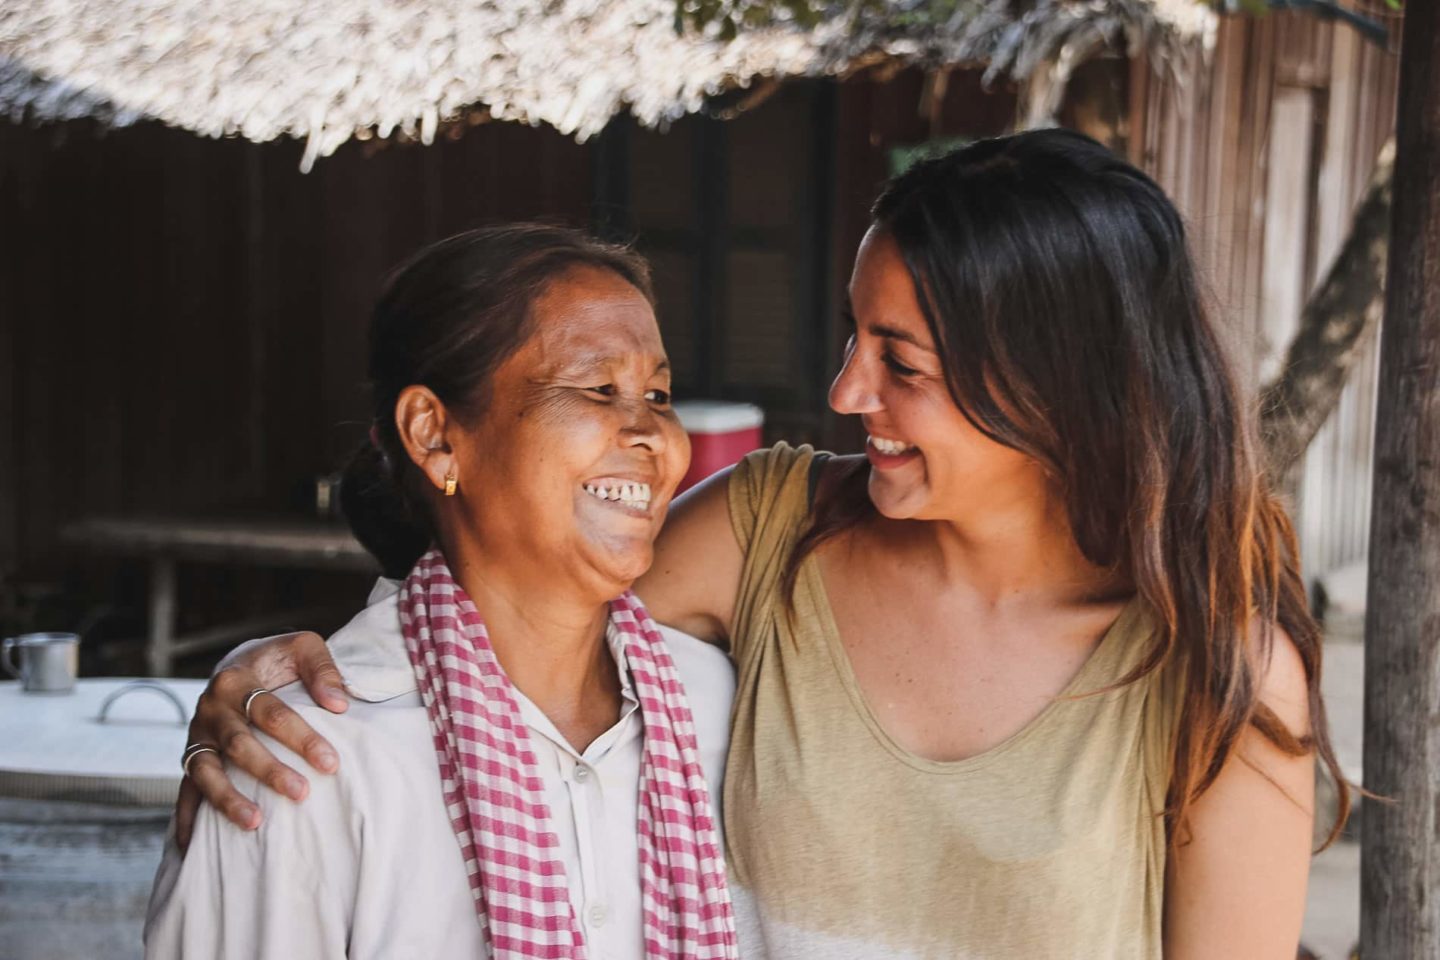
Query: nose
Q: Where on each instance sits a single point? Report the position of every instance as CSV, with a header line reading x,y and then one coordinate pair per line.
x,y
643,427
854,390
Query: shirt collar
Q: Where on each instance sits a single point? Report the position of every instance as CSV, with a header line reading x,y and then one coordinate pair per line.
x,y
370,652
621,732
370,649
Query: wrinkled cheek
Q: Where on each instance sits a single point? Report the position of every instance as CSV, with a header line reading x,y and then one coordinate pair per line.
x,y
677,458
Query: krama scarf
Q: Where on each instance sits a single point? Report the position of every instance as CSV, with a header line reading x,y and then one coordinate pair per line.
x,y
494,793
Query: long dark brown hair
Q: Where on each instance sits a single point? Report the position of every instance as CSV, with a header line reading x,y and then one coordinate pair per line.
x,y
1057,283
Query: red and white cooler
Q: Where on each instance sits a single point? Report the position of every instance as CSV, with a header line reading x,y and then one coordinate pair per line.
x,y
721,433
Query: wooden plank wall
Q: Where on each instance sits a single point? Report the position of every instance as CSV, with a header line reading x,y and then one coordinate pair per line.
x,y
1335,495
1266,150
182,320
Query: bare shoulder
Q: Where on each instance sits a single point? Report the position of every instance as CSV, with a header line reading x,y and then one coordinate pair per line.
x,y
833,468
1236,883
1285,682
703,506
838,465
692,582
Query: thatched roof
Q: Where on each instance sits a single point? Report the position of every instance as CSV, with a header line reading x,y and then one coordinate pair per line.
x,y
327,70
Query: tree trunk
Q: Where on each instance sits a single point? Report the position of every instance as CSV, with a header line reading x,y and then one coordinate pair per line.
x,y
1334,325
1400,860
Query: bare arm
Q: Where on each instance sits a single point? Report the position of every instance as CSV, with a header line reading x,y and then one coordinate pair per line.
x,y
691,585
1237,889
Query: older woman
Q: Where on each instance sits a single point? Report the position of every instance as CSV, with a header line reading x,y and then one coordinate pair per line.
x,y
1034,679
527,764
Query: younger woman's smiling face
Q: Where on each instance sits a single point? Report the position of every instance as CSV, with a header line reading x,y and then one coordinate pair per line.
x,y
927,461
576,452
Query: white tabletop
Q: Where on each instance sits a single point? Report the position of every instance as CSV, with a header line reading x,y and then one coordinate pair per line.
x,y
54,745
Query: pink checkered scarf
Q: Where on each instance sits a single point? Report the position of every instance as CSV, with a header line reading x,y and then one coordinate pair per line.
x,y
494,794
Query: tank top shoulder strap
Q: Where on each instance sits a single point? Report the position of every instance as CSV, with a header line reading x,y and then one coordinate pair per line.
x,y
770,493
1160,694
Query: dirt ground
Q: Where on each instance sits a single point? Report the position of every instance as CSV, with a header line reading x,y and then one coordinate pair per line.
x,y
1332,912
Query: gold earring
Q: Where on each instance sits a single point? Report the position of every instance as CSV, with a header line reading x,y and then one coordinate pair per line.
x,y
450,483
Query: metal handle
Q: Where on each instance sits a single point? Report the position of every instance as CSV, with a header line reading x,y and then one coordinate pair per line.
x,y
145,684
5,658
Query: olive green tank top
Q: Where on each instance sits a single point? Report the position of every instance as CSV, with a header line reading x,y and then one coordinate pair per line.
x,y
842,844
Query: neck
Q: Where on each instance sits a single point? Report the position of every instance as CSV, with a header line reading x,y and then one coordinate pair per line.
x,y
549,638
1019,547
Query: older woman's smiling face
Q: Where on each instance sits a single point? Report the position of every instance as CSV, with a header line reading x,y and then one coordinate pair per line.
x,y
577,452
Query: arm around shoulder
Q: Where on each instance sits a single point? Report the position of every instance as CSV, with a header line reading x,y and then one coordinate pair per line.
x,y
692,583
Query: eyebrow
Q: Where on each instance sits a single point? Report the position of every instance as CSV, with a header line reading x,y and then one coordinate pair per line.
x,y
895,333
595,362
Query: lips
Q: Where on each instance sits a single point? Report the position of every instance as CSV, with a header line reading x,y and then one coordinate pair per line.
x,y
887,453
889,447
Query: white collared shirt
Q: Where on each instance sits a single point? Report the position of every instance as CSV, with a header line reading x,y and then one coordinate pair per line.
x,y
369,866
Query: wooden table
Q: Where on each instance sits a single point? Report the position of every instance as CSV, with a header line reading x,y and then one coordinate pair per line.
x,y
165,542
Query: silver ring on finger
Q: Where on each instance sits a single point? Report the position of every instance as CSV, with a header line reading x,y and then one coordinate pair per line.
x,y
194,750
249,699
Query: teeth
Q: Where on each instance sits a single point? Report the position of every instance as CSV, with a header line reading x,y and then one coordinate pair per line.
x,y
888,446
631,494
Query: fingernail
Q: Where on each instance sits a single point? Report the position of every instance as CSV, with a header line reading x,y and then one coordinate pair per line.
x,y
335,693
294,788
251,816
326,761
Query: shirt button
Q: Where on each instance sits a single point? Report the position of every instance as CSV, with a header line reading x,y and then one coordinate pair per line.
x,y
597,915
582,773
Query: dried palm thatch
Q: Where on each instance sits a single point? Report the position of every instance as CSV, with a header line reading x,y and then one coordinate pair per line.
x,y
327,70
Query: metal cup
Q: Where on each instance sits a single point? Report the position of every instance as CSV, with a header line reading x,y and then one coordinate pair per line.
x,y
49,662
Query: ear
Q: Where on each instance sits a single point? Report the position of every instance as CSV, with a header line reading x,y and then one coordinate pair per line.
x,y
421,420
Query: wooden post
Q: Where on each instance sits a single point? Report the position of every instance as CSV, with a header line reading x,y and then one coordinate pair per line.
x,y
1400,862
160,646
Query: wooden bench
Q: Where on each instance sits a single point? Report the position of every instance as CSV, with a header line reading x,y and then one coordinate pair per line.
x,y
165,542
